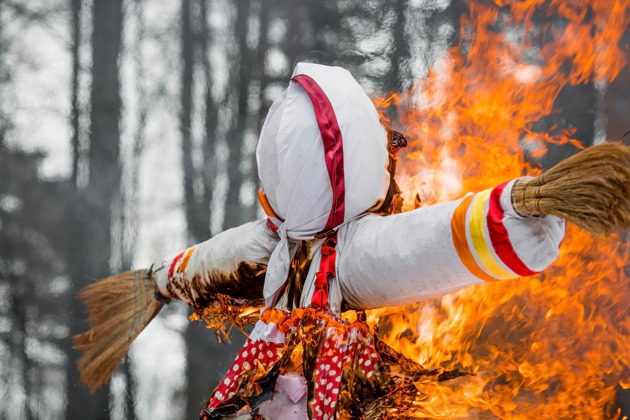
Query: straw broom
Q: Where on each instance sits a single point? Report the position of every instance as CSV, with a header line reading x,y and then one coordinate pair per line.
x,y
119,307
590,189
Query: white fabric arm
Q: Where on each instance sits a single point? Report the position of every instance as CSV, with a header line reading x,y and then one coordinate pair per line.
x,y
432,251
232,262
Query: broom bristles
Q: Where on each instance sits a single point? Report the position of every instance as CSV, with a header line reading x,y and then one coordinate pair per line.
x,y
119,308
590,189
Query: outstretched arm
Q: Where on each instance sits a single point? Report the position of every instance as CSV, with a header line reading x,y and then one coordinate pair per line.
x,y
231,263
509,231
223,275
431,251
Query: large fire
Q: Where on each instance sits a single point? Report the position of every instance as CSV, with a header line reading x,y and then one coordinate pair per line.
x,y
558,345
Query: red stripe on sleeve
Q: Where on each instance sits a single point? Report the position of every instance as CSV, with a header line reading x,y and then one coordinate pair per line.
x,y
172,268
499,234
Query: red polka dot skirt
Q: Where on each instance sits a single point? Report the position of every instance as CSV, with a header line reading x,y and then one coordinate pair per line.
x,y
334,370
254,356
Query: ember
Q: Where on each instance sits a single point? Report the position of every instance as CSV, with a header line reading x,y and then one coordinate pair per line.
x,y
555,346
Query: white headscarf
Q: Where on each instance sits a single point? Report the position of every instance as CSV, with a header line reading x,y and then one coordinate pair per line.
x,y
293,169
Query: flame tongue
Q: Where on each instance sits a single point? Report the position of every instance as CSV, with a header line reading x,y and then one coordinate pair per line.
x,y
555,346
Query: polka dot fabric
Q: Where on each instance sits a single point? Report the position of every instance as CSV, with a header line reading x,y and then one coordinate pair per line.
x,y
337,357
368,360
342,354
335,353
252,354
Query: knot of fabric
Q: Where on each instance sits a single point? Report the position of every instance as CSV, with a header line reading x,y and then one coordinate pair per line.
x,y
328,248
327,263
326,272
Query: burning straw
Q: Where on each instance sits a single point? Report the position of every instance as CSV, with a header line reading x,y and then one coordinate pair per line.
x,y
119,308
590,189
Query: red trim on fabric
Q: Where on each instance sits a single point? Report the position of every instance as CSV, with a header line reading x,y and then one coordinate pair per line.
x,y
327,375
326,272
333,146
172,268
253,352
272,226
320,295
499,234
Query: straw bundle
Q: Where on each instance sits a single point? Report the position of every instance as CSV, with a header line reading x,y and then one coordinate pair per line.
x,y
119,308
590,189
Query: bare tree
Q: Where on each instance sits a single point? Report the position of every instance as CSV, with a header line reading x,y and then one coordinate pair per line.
x,y
398,78
241,77
22,294
75,7
206,357
93,218
198,226
210,122
261,81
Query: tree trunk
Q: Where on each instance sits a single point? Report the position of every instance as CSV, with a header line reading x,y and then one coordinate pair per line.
x,y
207,359
75,113
93,221
234,214
293,46
211,119
398,78
259,66
260,77
129,211
19,307
130,385
197,226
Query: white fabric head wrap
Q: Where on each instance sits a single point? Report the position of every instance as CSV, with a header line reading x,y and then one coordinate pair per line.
x,y
293,169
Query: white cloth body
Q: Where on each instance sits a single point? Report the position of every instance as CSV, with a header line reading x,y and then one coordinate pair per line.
x,y
385,261
292,166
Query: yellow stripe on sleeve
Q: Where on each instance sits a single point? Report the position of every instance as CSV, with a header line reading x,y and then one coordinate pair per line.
x,y
458,232
476,224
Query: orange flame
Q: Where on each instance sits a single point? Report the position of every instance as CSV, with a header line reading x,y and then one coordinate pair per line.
x,y
553,346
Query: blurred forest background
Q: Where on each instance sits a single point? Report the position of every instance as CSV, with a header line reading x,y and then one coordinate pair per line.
x,y
127,132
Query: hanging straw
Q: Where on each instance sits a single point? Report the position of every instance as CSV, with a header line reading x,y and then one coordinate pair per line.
x,y
590,189
119,308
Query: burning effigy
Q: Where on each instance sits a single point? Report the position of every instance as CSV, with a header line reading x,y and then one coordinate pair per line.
x,y
336,244
555,344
